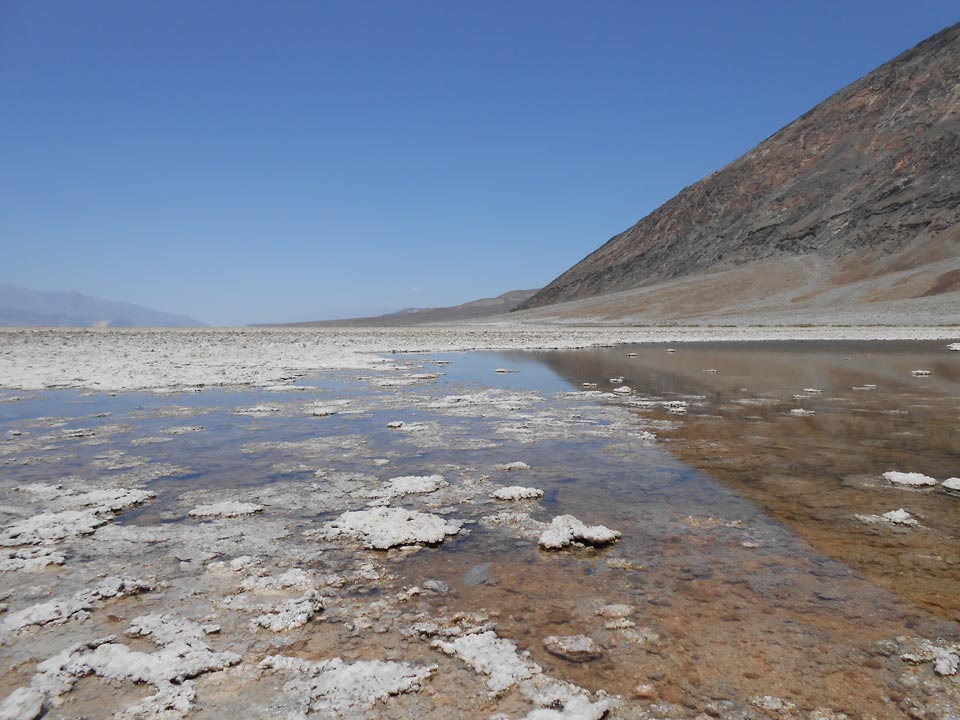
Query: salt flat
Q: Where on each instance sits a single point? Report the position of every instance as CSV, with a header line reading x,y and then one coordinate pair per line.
x,y
424,536
115,359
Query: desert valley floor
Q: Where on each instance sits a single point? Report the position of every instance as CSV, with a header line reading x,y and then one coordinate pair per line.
x,y
480,522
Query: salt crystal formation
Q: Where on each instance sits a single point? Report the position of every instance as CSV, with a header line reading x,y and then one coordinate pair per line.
x,y
565,530
575,648
516,492
334,688
225,509
383,527
909,479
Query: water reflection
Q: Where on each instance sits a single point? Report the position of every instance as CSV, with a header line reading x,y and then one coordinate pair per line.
x,y
815,472
761,583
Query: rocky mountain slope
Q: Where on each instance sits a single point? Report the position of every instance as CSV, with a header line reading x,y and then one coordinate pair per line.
x,y
487,307
863,187
23,307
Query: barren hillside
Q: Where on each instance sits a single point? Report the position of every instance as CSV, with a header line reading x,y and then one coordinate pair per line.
x,y
861,192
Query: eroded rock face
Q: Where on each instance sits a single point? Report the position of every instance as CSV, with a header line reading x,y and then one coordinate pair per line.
x,y
872,169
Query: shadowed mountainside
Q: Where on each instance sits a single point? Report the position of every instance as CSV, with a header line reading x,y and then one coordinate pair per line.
x,y
862,189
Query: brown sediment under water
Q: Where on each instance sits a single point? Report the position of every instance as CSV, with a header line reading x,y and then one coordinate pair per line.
x,y
742,570
816,472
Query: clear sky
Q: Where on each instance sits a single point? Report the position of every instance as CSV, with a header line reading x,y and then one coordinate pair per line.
x,y
267,161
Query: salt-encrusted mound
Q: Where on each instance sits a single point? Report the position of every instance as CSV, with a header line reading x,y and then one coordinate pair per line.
x,y
52,527
291,613
517,492
227,508
384,527
510,467
415,484
575,648
86,511
951,484
182,655
909,479
895,517
564,530
492,656
78,605
334,688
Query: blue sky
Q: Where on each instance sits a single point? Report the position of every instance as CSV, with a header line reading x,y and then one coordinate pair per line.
x,y
246,162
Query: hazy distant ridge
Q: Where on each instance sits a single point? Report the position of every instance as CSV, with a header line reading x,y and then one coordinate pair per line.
x,y
483,308
23,307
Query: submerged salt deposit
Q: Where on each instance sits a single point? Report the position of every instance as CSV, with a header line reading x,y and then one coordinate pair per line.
x,y
352,549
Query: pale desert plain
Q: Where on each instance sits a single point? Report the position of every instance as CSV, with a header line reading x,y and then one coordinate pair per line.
x,y
488,521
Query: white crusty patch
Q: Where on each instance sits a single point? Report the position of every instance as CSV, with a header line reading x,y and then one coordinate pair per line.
x,y
383,527
86,512
516,492
513,466
894,517
182,655
411,485
565,530
946,660
295,578
559,700
291,613
909,479
30,559
333,688
60,610
493,656
24,703
228,508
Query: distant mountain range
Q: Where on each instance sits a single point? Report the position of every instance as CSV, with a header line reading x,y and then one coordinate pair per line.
x,y
856,204
23,307
421,316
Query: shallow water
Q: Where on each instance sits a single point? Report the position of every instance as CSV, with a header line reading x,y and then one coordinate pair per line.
x,y
815,472
748,573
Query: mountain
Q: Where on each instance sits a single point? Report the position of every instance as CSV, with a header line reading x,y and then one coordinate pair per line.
x,y
861,192
23,307
476,309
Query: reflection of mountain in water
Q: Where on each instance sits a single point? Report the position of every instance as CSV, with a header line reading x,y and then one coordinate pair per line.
x,y
768,367
814,473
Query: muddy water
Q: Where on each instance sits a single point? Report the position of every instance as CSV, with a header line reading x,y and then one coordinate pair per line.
x,y
746,571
